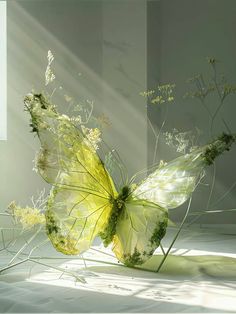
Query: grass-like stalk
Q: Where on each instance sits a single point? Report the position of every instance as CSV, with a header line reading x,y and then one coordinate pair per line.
x,y
24,246
13,265
157,136
225,194
71,273
176,236
162,249
99,251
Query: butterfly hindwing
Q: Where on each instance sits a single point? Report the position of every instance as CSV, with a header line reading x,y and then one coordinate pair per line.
x,y
74,219
171,185
139,230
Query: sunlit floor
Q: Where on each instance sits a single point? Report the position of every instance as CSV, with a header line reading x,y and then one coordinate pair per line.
x,y
199,276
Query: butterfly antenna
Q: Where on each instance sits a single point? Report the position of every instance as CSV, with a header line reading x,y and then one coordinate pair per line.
x,y
120,163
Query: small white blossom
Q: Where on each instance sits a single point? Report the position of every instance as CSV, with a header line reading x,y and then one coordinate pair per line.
x,y
49,75
92,136
50,57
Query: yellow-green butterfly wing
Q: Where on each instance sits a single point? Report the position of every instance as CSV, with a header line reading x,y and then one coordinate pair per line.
x,y
79,203
144,219
171,185
139,231
84,202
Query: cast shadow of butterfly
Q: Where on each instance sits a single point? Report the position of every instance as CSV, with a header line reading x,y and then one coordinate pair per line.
x,y
177,267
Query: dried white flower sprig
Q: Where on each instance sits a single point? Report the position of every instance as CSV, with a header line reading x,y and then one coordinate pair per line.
x,y
49,75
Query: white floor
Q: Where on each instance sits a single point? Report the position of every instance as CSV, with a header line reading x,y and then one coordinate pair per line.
x,y
199,276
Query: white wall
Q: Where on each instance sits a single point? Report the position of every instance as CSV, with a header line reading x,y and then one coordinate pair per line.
x,y
181,35
82,35
3,77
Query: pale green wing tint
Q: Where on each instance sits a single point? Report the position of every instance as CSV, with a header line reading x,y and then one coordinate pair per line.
x,y
139,230
74,218
79,204
171,185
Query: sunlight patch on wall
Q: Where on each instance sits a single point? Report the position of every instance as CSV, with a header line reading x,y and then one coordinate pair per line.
x,y
3,68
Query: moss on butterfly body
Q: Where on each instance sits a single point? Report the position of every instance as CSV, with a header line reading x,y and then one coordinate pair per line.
x,y
118,205
216,148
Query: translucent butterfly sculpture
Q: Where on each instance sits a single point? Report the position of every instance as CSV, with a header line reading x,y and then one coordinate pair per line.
x,y
84,202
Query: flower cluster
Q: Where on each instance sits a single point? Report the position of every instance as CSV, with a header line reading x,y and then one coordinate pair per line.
x,y
92,136
163,94
49,75
27,216
183,142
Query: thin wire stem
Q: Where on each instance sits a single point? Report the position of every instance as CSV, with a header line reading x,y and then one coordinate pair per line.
x,y
13,265
162,249
212,186
225,194
59,269
176,236
158,135
24,246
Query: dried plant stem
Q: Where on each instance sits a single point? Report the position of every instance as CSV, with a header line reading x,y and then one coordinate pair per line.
x,y
158,135
24,246
99,251
212,186
71,273
225,194
162,249
176,236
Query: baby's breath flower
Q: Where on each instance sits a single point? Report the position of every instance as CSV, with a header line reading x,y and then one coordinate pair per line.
x,y
162,163
92,136
163,94
27,216
147,93
76,120
65,117
49,75
158,100
50,57
181,141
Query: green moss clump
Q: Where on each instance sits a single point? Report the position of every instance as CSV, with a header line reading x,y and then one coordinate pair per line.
x,y
118,205
131,260
159,232
51,226
221,144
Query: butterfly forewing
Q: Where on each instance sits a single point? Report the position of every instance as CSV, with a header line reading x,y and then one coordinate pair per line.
x,y
80,202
